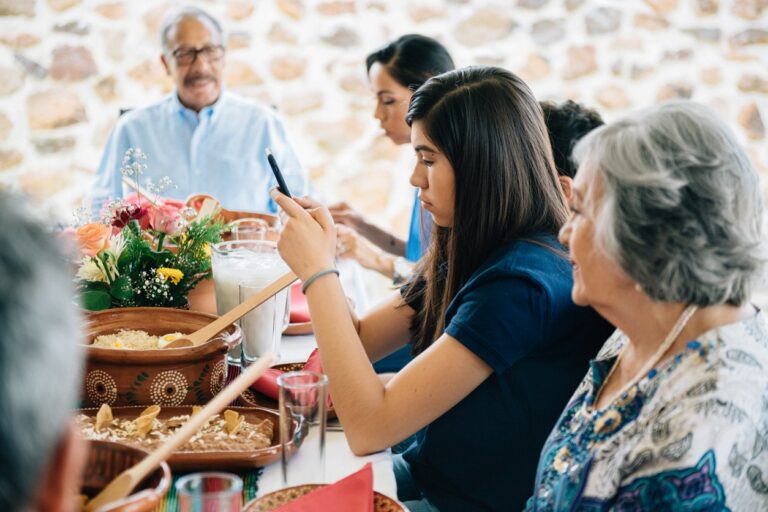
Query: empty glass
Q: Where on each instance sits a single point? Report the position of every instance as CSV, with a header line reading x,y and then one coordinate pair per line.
x,y
263,326
302,407
249,229
209,492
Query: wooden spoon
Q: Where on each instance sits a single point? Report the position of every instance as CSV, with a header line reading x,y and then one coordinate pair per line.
x,y
125,482
203,334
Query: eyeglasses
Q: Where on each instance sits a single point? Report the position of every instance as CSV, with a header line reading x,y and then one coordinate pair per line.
x,y
185,56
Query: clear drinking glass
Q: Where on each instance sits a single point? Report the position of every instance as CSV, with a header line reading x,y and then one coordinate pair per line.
x,y
237,261
249,229
263,326
302,407
204,492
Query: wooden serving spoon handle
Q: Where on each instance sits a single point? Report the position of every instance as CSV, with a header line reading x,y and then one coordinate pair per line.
x,y
203,334
126,481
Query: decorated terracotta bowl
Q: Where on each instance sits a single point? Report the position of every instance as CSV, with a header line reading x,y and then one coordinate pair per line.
x,y
196,201
106,460
166,377
277,499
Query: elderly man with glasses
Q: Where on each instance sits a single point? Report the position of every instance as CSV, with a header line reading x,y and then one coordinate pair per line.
x,y
204,138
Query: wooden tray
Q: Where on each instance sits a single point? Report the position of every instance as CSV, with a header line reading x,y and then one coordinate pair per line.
x,y
218,460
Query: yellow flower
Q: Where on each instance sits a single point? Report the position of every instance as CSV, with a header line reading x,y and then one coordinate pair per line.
x,y
173,274
207,250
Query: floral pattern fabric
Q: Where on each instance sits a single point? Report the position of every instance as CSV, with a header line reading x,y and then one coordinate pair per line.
x,y
691,435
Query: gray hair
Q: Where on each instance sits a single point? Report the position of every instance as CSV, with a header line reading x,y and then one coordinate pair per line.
x,y
175,17
40,357
681,210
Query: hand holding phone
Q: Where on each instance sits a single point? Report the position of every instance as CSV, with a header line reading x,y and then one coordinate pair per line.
x,y
278,175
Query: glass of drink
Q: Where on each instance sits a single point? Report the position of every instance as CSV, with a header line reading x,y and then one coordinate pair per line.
x,y
201,492
242,261
263,326
249,229
302,405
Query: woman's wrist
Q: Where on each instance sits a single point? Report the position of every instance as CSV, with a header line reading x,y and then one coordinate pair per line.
x,y
385,264
317,275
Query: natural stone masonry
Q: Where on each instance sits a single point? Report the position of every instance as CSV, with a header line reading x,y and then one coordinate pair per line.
x,y
54,109
67,67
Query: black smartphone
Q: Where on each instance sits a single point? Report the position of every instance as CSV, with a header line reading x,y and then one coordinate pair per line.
x,y
278,175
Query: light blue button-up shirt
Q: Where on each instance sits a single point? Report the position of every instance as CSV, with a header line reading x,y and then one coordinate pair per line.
x,y
219,152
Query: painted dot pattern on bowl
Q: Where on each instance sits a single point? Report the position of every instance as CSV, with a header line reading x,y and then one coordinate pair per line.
x,y
100,387
218,375
169,388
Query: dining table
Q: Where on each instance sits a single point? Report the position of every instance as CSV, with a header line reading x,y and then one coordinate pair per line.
x,y
339,459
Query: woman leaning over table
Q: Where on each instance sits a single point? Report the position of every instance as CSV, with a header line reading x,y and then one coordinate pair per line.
x,y
500,345
395,71
665,240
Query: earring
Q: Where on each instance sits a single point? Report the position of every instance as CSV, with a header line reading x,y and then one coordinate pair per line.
x,y
638,287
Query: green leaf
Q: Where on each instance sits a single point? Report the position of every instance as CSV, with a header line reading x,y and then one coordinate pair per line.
x,y
95,300
121,288
94,286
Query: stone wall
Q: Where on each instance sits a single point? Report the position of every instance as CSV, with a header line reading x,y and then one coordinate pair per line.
x,y
68,66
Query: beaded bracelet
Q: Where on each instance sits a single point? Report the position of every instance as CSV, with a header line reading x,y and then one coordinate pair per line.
x,y
316,276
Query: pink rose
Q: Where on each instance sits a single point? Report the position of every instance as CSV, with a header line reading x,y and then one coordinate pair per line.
x,y
165,218
93,238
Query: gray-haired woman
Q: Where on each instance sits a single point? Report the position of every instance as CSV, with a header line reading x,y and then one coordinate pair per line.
x,y
665,241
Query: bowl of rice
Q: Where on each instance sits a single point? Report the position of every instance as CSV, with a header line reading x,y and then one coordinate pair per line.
x,y
126,364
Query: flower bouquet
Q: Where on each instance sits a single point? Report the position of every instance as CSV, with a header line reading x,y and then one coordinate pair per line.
x,y
144,252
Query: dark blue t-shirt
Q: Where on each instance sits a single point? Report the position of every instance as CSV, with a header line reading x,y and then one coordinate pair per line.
x,y
516,314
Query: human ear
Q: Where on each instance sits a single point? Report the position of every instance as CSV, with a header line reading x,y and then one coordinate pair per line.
x,y
165,64
566,184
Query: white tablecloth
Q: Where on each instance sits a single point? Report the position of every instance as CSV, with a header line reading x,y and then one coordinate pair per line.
x,y
339,459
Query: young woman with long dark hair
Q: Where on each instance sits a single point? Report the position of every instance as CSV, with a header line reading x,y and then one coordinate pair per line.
x,y
499,344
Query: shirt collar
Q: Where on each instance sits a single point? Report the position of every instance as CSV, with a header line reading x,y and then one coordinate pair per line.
x,y
211,111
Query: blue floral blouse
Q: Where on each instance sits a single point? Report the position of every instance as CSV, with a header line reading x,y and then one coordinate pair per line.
x,y
691,435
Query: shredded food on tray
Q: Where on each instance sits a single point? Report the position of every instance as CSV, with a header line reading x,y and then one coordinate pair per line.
x,y
230,431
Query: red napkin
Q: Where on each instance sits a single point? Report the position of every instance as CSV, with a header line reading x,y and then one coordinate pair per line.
x,y
351,494
267,383
299,306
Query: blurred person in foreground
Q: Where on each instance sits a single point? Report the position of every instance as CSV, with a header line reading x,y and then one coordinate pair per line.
x,y
567,123
41,453
204,138
665,237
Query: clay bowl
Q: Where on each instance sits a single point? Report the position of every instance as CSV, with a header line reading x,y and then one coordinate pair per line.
x,y
106,460
277,499
196,201
166,377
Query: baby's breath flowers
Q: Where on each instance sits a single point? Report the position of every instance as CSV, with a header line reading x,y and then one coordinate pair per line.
x,y
144,251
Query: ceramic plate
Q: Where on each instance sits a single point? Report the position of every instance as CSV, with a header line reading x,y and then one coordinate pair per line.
x,y
279,498
298,329
220,460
